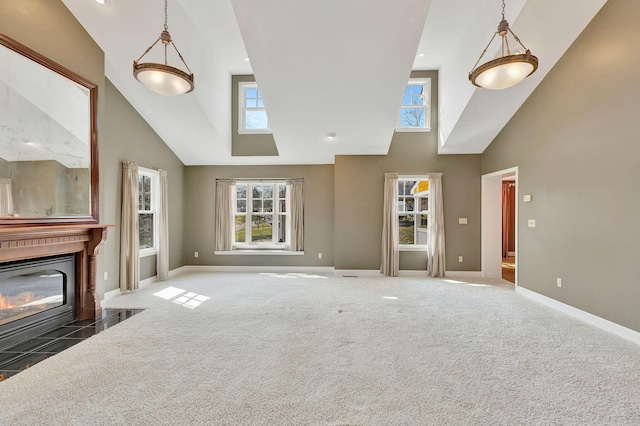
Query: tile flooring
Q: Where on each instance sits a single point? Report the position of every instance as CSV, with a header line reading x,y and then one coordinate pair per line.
x,y
17,358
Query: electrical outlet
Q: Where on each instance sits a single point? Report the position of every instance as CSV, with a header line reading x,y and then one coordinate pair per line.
x,y
319,255
559,282
460,259
195,254
531,223
106,275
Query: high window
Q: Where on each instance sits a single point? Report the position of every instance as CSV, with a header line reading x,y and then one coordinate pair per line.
x,y
260,216
414,111
412,210
148,187
252,117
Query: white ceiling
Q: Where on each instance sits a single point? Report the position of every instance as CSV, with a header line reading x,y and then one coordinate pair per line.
x,y
330,66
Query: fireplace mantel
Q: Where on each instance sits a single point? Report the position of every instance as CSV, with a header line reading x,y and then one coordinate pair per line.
x,y
31,242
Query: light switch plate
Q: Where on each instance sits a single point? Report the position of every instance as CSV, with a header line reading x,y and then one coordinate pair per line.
x,y
462,220
527,198
531,223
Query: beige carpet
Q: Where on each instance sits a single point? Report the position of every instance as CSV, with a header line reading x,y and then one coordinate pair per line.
x,y
281,349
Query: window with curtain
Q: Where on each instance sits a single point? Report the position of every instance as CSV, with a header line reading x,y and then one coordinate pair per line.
x,y
263,214
412,212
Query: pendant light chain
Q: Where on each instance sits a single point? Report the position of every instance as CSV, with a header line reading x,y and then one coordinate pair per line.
x,y
166,27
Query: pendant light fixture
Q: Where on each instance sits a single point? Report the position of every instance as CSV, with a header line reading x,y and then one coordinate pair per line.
x,y
163,78
507,70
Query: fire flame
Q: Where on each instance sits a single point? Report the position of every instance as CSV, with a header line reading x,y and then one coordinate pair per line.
x,y
5,303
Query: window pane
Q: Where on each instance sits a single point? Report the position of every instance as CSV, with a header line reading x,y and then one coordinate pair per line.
x,y
422,234
417,89
257,191
424,204
267,191
241,191
409,204
282,226
282,203
260,104
240,231
401,204
406,229
412,117
241,206
282,191
268,206
408,186
145,230
256,120
250,92
251,103
257,206
407,90
400,188
261,228
417,100
406,100
147,201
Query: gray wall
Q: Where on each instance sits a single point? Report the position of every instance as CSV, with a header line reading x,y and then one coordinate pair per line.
x,y
199,216
126,136
359,197
49,28
252,144
577,144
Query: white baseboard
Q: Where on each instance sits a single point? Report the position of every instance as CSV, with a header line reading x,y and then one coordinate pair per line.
x,y
594,320
357,272
214,268
463,274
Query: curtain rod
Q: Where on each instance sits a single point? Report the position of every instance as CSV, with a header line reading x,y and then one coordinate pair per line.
x,y
259,180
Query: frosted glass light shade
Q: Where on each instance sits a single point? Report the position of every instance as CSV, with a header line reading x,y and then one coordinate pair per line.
x,y
163,79
505,71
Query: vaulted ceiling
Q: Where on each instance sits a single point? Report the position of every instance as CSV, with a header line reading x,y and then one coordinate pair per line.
x,y
330,66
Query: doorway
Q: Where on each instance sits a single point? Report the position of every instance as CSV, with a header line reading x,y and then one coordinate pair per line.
x,y
492,225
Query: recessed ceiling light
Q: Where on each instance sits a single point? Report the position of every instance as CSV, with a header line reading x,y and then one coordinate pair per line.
x,y
331,136
420,55
29,143
246,59
102,2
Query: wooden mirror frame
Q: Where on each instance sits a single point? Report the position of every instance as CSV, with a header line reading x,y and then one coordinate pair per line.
x,y
93,217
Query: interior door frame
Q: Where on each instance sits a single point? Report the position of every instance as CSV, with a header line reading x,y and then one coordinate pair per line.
x,y
491,223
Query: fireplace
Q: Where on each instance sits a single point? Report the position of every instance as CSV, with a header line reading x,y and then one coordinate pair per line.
x,y
36,295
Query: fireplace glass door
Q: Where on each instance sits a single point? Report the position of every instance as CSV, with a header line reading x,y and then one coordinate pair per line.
x,y
36,296
31,293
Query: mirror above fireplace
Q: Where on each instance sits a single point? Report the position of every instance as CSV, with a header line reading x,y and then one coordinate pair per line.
x,y
48,153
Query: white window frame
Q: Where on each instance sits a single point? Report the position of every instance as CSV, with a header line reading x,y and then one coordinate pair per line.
x,y
248,244
416,213
155,199
242,90
426,83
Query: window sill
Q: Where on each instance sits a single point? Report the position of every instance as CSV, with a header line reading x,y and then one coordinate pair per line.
x,y
413,248
259,252
148,252
413,129
255,132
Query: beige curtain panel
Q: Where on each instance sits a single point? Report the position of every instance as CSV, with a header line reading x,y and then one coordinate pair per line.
x,y
295,211
129,237
390,252
435,249
162,257
225,214
6,199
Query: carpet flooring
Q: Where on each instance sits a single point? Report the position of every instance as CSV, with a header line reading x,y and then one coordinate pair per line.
x,y
302,349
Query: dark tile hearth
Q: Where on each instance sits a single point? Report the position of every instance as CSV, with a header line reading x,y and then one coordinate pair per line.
x,y
19,357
